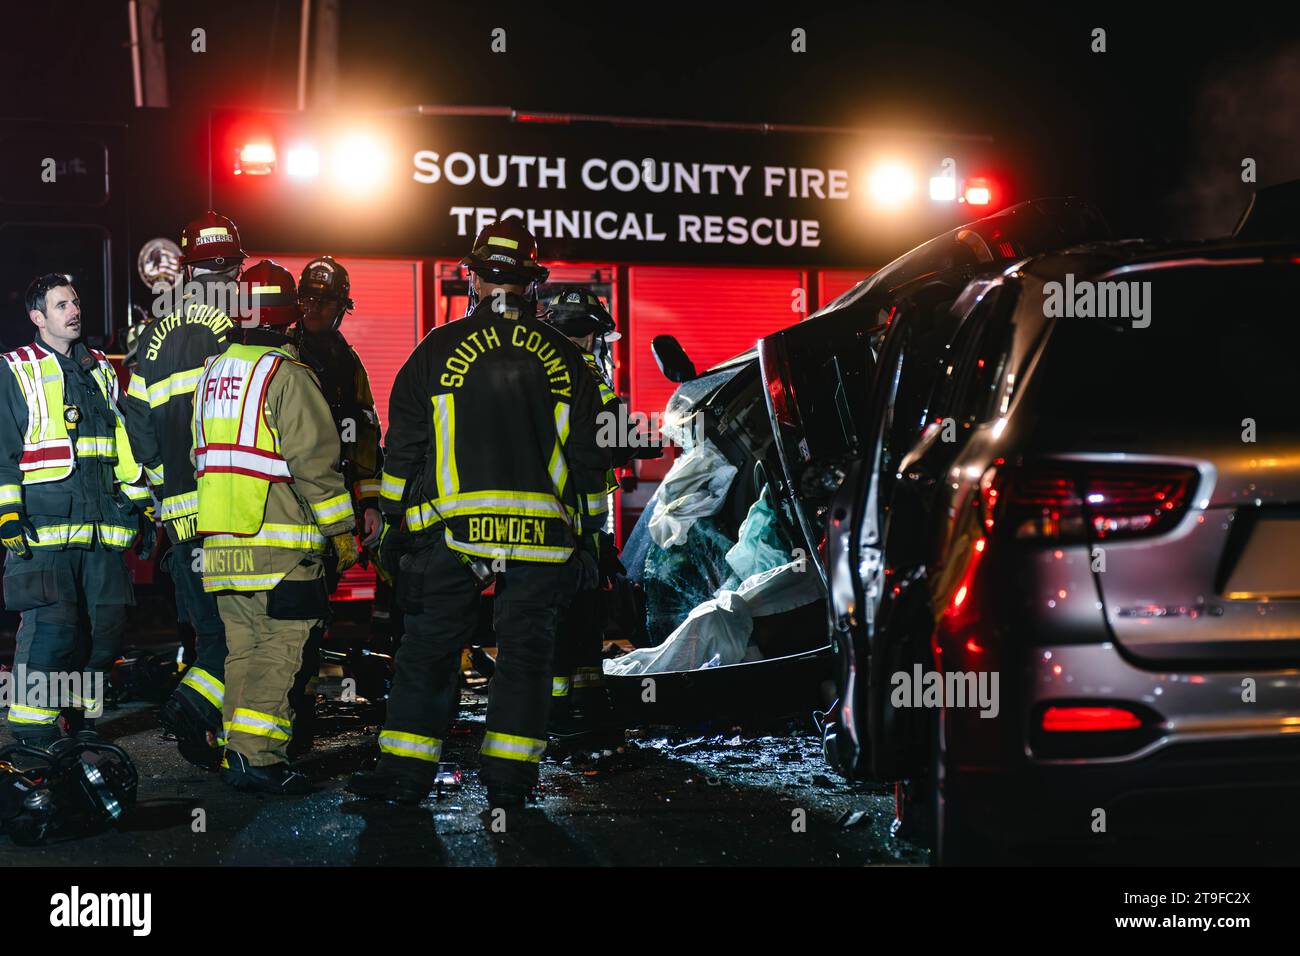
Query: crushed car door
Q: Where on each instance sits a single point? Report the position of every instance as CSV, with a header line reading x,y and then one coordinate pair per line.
x,y
816,380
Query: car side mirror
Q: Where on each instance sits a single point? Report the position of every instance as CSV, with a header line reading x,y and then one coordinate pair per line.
x,y
672,359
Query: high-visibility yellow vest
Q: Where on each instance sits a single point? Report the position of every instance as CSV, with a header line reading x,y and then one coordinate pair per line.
x,y
48,453
236,451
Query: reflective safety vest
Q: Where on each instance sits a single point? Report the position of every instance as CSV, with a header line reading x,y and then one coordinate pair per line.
x,y
48,453
236,452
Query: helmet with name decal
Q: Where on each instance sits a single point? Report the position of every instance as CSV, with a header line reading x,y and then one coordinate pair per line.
x,y
577,311
505,253
272,293
325,278
211,236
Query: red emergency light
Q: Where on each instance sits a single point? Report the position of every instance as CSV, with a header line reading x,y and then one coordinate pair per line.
x,y
255,159
977,191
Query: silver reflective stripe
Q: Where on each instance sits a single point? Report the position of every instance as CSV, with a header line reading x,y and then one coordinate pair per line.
x,y
559,468
511,747
251,420
179,504
392,488
444,421
410,745
260,725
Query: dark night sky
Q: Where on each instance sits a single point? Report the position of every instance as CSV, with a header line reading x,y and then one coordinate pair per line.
x,y
1154,129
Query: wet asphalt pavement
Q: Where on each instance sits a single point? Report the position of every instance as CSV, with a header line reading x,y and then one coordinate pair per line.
x,y
713,801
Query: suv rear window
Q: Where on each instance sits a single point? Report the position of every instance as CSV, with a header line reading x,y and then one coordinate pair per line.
x,y
1223,345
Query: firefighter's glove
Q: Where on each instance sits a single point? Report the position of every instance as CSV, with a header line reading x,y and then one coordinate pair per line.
x,y
388,551
15,531
148,535
588,562
345,546
610,566
373,525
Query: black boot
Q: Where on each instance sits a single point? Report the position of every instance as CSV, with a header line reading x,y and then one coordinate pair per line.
x,y
196,738
279,778
87,733
41,738
508,796
391,780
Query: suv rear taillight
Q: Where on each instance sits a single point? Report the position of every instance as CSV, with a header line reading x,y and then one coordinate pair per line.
x,y
1081,729
1089,719
1064,502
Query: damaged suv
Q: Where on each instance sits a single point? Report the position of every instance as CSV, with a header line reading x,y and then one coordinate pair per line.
x,y
1091,521
731,549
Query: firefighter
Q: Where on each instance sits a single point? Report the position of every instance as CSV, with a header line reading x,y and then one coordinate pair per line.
x,y
323,300
490,458
271,502
324,289
579,707
159,408
70,505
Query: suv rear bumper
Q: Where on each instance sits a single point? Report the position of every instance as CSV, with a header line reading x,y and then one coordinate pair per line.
x,y
1215,764
1195,706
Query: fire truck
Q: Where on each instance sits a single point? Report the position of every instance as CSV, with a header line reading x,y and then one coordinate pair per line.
x,y
716,234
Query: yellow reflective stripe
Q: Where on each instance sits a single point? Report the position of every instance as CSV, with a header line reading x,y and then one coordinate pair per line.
x,y
527,505
241,582
529,552
368,488
559,687
502,241
62,535
511,747
21,714
558,467
178,383
597,504
259,724
391,487
95,447
182,504
402,744
116,535
290,542
135,388
155,475
332,509
136,492
11,494
204,684
271,534
444,424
